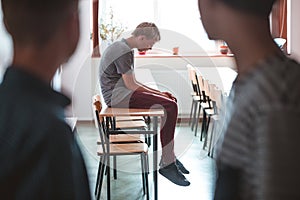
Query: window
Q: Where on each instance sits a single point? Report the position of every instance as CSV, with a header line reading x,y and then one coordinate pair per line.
x,y
6,48
279,21
174,16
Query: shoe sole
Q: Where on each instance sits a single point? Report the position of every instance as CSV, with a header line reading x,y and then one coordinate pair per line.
x,y
184,184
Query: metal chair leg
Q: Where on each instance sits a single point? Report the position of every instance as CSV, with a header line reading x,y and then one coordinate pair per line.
x,y
97,179
206,132
108,178
191,113
197,119
203,124
194,115
102,166
115,166
143,174
212,135
146,166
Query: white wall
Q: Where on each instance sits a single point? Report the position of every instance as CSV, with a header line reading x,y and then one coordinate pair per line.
x,y
76,74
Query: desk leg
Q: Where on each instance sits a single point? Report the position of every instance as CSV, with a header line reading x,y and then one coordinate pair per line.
x,y
155,128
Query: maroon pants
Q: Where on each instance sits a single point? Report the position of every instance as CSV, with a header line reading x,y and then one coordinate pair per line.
x,y
148,100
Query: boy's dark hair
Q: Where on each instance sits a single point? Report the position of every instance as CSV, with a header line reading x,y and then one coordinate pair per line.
x,y
34,21
257,7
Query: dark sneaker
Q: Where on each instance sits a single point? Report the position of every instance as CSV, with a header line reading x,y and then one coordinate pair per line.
x,y
181,167
172,173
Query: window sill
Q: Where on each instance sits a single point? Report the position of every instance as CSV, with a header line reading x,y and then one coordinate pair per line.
x,y
191,55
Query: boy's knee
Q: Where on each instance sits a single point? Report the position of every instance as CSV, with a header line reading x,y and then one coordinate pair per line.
x,y
172,105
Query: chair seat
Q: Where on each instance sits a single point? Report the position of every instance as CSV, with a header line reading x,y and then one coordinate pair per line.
x,y
210,112
196,98
130,124
129,118
205,105
125,138
216,117
193,93
124,149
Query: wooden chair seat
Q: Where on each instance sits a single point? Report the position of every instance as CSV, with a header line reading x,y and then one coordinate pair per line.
x,y
210,111
125,149
205,105
129,118
216,117
196,98
125,138
130,124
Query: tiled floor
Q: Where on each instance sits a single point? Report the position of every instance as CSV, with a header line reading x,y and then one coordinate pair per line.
x,y
128,186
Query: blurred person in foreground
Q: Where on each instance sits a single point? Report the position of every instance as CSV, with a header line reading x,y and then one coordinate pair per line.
x,y
40,158
258,155
121,89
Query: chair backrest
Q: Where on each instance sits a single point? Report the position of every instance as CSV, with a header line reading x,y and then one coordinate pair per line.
x,y
217,97
198,85
96,99
201,82
97,106
205,90
207,87
193,79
